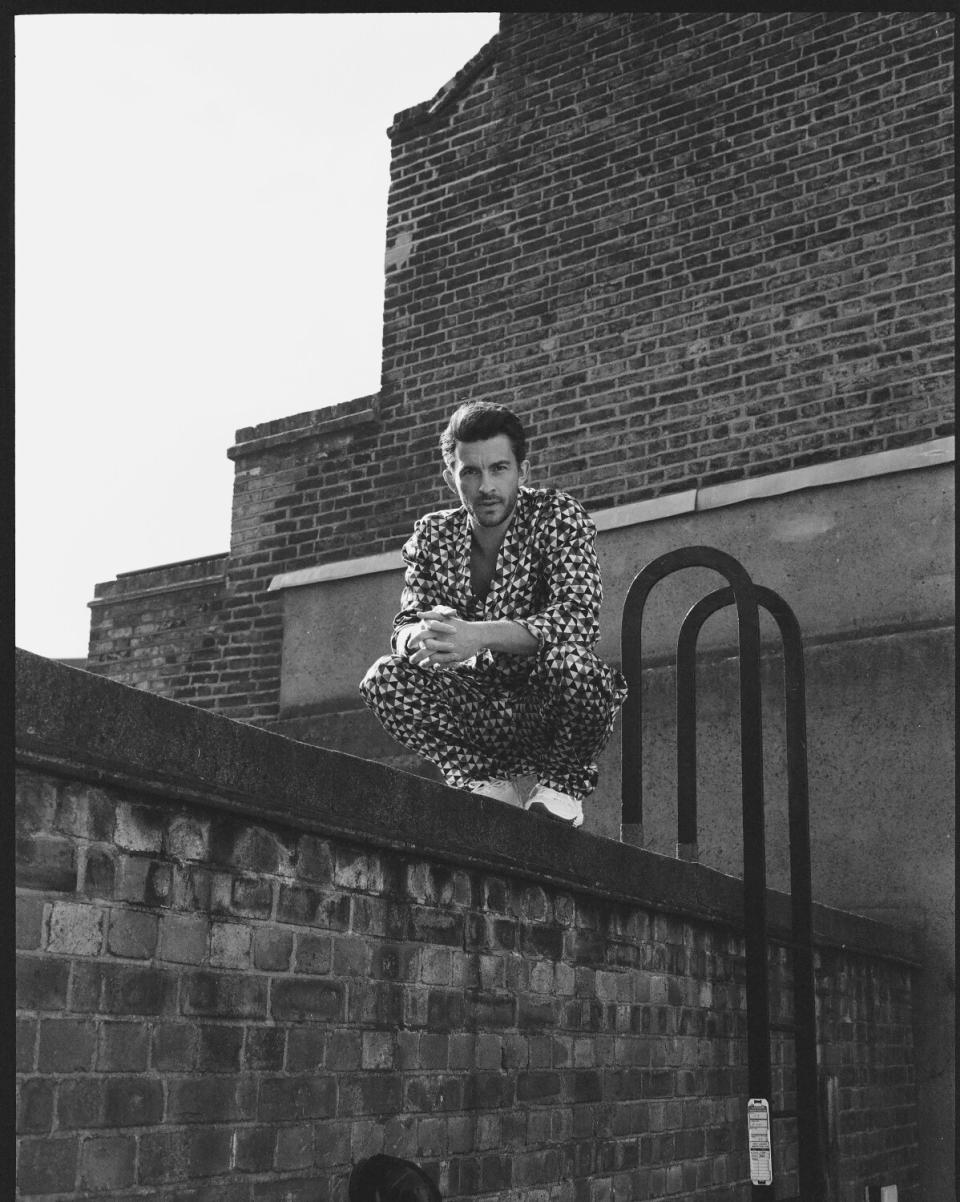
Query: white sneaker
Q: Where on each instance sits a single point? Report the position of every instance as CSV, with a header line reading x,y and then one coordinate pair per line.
x,y
501,790
555,804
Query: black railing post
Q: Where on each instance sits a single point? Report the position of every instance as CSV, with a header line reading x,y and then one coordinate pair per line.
x,y
747,597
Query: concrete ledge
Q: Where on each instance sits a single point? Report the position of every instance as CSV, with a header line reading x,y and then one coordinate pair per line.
x,y
342,569
695,500
76,724
903,459
361,413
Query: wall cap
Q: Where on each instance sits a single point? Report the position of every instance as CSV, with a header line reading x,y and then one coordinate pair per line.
x,y
695,500
358,414
78,725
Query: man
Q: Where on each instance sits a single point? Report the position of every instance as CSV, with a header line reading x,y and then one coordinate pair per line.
x,y
493,673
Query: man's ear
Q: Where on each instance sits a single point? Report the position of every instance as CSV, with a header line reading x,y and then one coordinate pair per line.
x,y
450,479
524,471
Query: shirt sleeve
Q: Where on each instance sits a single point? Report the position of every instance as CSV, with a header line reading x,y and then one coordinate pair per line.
x,y
570,579
424,580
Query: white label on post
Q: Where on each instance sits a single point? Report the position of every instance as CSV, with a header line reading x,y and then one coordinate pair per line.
x,y
758,1138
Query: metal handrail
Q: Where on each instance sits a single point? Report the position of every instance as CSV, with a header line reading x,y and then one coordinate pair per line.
x,y
798,809
747,597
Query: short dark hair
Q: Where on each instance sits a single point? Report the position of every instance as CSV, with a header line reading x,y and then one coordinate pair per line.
x,y
477,420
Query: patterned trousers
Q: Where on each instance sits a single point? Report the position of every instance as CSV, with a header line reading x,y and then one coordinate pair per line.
x,y
473,725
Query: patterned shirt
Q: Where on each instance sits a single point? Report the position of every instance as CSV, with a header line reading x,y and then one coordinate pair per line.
x,y
546,577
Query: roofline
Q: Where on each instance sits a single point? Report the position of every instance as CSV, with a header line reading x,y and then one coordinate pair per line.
x,y
420,117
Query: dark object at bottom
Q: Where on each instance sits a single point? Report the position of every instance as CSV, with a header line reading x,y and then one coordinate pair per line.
x,y
388,1179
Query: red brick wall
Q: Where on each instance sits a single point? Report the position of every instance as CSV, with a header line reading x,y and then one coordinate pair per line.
x,y
208,1003
686,247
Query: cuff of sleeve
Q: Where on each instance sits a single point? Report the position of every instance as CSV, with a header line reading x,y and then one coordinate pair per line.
x,y
540,630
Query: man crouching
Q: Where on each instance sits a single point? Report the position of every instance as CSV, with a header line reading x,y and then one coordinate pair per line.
x,y
493,673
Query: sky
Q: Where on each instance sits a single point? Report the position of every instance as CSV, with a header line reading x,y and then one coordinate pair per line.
x,y
200,213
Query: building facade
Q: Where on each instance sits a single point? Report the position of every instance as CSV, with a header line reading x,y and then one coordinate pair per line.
x,y
707,257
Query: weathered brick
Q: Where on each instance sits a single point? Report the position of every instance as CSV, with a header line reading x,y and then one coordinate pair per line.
x,y
174,1047
132,934
26,1044
219,1048
300,904
183,938
48,864
35,1106
255,1149
224,995
99,872
132,1101
272,949
314,954
47,1166
107,1162
36,803
311,1001
187,838
80,1102
305,1049
85,811
139,828
41,983
369,1093
264,1047
358,870
182,1155
230,945
314,859
295,1147
123,1047
286,1098
75,929
67,1045
251,848
196,1099
29,918
133,990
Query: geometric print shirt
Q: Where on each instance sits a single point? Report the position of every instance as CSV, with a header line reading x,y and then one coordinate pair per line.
x,y
546,577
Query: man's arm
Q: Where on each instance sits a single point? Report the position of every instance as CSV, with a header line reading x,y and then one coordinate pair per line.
x,y
443,639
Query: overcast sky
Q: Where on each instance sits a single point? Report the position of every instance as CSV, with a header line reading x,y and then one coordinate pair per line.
x,y
200,222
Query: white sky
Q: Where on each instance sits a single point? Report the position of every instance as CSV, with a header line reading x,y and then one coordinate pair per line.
x,y
200,230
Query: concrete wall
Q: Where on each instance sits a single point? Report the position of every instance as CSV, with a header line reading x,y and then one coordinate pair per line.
x,y
867,566
245,963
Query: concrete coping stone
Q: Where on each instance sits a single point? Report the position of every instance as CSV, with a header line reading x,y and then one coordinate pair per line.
x,y
695,500
78,725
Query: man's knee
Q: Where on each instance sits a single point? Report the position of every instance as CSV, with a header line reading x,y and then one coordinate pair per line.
x,y
379,676
578,675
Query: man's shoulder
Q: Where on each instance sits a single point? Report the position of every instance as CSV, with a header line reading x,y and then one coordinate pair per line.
x,y
552,507
439,520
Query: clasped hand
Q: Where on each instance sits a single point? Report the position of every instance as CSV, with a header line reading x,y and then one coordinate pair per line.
x,y
441,639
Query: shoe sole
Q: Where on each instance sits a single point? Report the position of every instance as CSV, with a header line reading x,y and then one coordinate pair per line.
x,y
540,808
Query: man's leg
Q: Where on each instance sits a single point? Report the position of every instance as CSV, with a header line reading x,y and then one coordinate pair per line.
x,y
444,716
567,716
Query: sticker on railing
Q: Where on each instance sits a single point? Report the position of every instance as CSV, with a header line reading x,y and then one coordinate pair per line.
x,y
758,1138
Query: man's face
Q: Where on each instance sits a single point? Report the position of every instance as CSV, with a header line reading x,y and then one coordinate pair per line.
x,y
486,477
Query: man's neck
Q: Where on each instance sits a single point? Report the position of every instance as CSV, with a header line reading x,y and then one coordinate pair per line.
x,y
490,538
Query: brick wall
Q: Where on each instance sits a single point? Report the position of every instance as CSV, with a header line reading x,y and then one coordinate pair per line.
x,y
245,963
686,247
160,629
